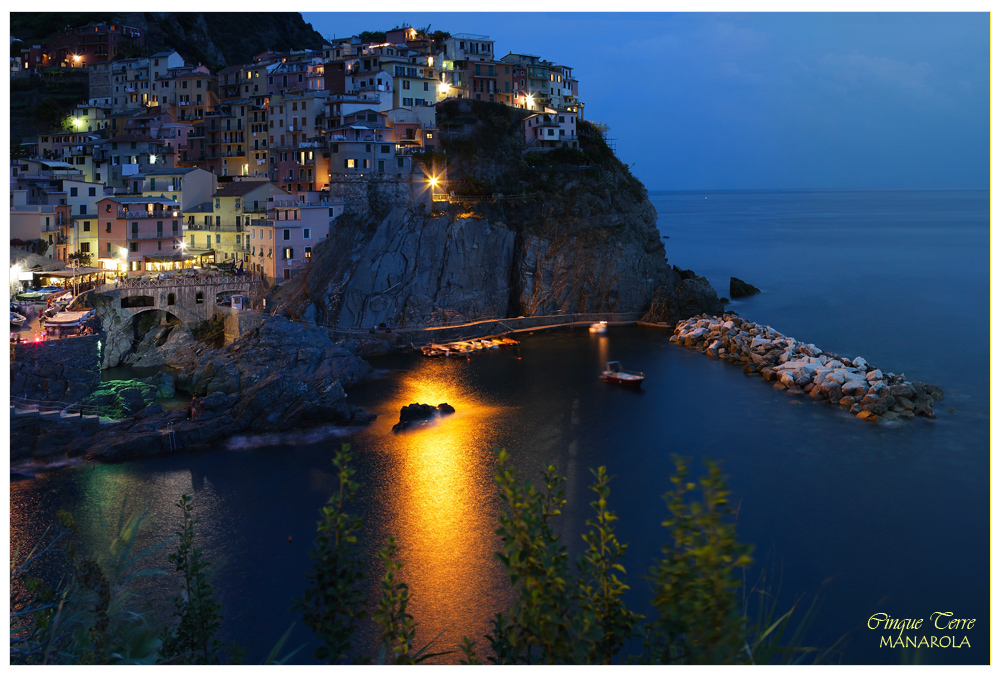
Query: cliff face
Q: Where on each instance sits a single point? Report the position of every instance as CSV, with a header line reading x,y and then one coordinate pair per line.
x,y
413,269
571,231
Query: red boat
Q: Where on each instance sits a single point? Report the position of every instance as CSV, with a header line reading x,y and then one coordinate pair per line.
x,y
615,374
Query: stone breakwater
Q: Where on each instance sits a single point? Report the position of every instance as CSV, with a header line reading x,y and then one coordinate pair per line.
x,y
804,369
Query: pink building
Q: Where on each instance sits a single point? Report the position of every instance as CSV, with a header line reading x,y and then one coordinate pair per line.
x,y
282,244
149,229
551,129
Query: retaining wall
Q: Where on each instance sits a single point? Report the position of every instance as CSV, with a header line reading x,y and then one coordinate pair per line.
x,y
61,370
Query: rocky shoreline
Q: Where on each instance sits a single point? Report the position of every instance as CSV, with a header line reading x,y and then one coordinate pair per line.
x,y
803,369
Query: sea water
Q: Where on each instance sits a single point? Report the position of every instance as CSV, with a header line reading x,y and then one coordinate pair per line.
x,y
864,518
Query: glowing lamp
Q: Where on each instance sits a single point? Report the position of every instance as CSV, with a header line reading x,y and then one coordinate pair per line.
x,y
433,181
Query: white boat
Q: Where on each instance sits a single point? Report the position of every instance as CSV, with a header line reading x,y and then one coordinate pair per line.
x,y
615,374
599,327
17,320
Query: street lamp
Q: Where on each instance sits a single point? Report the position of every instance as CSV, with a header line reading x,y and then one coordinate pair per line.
x,y
74,264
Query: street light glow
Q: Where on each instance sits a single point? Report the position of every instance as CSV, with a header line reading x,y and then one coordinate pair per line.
x,y
433,181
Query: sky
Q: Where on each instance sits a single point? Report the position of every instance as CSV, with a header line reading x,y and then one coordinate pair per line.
x,y
716,101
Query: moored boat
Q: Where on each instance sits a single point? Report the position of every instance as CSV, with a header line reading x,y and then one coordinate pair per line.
x,y
17,320
599,327
616,374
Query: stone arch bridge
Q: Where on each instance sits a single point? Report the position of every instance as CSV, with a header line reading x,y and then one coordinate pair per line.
x,y
190,300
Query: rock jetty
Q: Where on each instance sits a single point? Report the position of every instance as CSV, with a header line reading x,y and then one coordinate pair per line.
x,y
804,369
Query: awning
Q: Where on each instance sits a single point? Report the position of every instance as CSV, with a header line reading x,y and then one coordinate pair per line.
x,y
68,273
163,258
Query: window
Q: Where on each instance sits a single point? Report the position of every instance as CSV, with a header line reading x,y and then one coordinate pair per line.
x,y
286,234
109,244
208,242
384,148
133,246
73,192
159,245
92,191
86,226
83,209
406,83
173,227
305,233
171,299
309,252
218,239
288,253
407,102
85,247
199,297
425,87
350,163
108,229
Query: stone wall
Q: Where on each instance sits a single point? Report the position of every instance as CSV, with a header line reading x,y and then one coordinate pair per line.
x,y
238,322
373,195
63,370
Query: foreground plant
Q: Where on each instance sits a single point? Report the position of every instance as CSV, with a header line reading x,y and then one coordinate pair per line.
x,y
194,639
90,613
334,603
696,584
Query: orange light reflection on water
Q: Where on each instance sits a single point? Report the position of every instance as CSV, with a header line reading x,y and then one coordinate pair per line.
x,y
441,507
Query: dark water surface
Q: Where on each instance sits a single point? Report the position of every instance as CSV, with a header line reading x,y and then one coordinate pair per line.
x,y
887,518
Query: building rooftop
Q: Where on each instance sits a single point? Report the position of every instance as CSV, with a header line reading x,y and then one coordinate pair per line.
x,y
169,171
239,188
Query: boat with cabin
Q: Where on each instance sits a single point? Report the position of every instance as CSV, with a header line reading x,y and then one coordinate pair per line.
x,y
616,374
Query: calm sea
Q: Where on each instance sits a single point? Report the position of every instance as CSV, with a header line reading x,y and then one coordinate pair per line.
x,y
868,518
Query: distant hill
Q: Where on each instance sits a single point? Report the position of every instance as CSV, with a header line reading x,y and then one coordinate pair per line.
x,y
216,39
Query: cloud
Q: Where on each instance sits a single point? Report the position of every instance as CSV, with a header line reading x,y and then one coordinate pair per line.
x,y
881,71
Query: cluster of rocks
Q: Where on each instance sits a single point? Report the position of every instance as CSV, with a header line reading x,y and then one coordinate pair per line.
x,y
802,368
416,412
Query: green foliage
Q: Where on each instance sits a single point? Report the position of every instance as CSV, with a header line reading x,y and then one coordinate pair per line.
x,y
601,588
90,614
193,640
372,36
83,258
568,157
333,605
541,625
695,584
395,622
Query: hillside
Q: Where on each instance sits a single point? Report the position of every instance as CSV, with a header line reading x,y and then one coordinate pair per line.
x,y
216,39
571,232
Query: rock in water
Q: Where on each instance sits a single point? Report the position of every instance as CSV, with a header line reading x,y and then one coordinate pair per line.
x,y
738,288
414,413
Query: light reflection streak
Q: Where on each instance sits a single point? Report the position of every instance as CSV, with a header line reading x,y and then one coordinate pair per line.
x,y
441,508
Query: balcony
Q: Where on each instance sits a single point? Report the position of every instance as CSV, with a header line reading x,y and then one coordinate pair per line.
x,y
159,235
155,214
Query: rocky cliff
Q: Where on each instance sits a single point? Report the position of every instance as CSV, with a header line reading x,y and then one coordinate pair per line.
x,y
553,238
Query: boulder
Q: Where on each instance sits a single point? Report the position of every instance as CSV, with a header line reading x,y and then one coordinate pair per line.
x,y
446,408
414,413
738,288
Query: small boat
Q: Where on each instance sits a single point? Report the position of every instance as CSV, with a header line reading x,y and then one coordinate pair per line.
x,y
17,320
615,374
509,341
599,327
